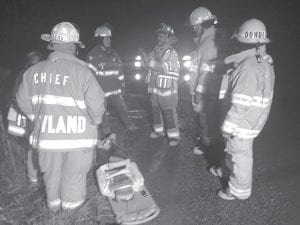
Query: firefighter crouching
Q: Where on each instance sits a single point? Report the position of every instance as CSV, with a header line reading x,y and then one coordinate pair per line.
x,y
163,78
31,58
108,70
247,93
206,71
65,102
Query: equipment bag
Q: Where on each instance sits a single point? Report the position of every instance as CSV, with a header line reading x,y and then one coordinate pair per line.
x,y
16,122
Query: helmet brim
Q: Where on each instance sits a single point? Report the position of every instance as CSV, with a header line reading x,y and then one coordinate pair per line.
x,y
213,17
48,38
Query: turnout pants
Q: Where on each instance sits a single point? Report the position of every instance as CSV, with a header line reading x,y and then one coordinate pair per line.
x,y
239,160
208,121
117,102
65,177
164,115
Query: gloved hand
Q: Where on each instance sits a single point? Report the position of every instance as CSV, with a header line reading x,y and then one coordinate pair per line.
x,y
198,102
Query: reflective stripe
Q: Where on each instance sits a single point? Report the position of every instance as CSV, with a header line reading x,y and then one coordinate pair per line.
x,y
31,117
194,68
229,127
92,67
241,99
33,179
57,100
108,73
239,193
71,205
158,128
199,88
15,130
168,77
207,68
119,91
66,144
222,94
162,93
54,203
173,73
121,77
245,133
173,134
260,102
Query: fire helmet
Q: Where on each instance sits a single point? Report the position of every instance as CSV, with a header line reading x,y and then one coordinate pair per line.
x,y
253,31
165,28
63,33
102,31
201,15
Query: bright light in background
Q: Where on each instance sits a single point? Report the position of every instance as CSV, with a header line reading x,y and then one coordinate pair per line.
x,y
137,63
186,57
187,77
187,64
137,76
138,58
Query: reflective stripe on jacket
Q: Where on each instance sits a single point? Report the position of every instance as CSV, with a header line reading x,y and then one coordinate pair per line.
x,y
207,65
66,103
107,68
247,93
164,72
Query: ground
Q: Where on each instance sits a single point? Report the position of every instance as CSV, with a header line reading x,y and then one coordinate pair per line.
x,y
179,181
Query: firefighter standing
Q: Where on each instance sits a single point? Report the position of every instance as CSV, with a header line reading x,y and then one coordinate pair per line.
x,y
109,73
163,85
31,58
65,102
247,92
206,76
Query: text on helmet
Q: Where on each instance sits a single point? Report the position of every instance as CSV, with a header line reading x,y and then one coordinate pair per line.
x,y
255,34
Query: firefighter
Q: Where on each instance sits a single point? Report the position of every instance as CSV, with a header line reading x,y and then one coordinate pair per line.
x,y
31,58
206,75
247,93
61,96
162,81
109,73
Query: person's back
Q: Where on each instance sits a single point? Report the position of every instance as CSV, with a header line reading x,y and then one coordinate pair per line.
x,y
66,104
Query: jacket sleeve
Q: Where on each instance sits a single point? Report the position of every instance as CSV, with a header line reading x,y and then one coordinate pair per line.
x,y
206,66
243,89
23,96
94,98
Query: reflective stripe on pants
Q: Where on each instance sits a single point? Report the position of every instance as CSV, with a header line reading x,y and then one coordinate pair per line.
x,y
65,176
164,114
239,159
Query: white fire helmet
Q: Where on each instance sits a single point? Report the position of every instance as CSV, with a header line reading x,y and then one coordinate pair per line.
x,y
102,31
63,33
253,31
201,15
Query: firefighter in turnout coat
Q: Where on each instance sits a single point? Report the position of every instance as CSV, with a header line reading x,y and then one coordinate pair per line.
x,y
163,85
247,93
206,71
108,70
65,102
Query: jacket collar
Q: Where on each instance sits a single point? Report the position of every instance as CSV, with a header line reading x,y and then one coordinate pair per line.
x,y
239,57
59,54
210,32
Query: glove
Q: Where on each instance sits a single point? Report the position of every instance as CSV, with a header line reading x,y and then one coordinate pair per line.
x,y
198,102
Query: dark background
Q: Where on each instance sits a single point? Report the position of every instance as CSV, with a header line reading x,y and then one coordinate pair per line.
x,y
135,21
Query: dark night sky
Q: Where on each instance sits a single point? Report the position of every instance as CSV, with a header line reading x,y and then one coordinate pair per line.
x,y
135,21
